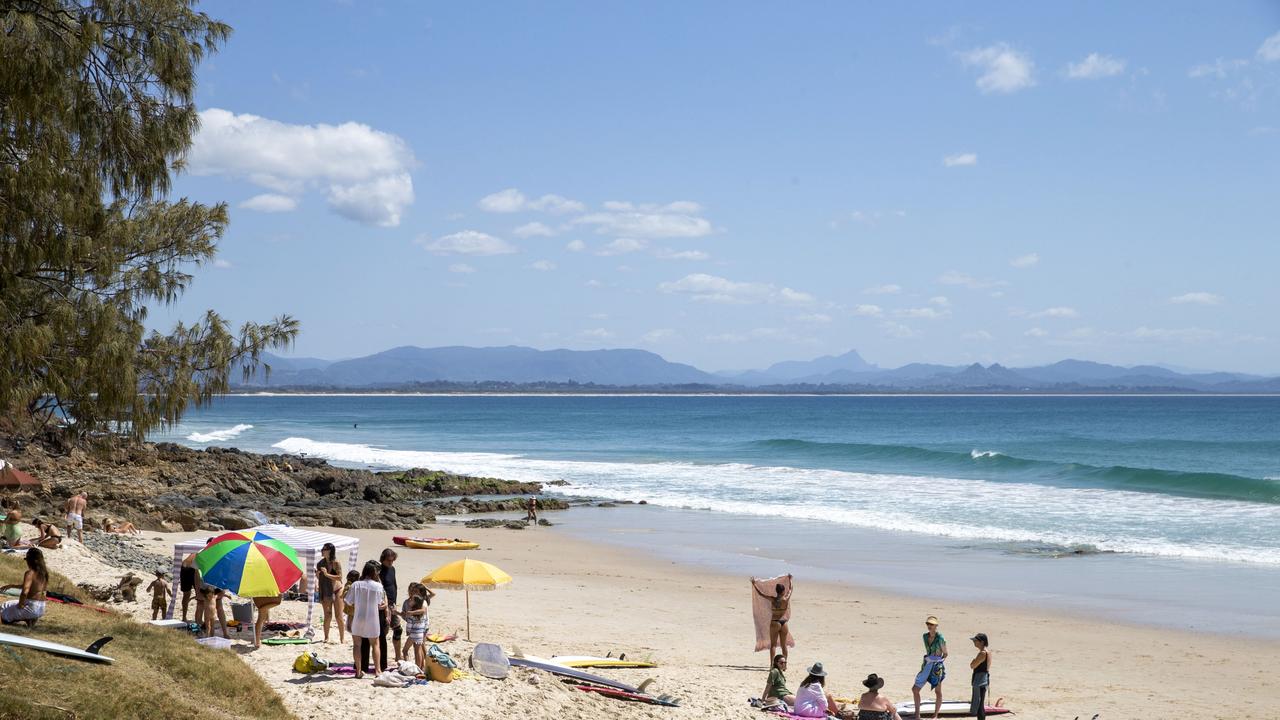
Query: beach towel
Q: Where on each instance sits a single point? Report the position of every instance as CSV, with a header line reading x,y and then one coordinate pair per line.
x,y
762,609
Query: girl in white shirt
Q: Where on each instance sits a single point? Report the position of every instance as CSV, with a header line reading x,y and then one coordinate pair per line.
x,y
367,599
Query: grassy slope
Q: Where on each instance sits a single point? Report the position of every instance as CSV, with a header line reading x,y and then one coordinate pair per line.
x,y
157,673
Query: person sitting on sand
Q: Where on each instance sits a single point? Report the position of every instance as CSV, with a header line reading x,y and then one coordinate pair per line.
x,y
812,699
775,687
264,605
873,705
50,536
933,669
981,666
779,605
160,592
29,607
11,525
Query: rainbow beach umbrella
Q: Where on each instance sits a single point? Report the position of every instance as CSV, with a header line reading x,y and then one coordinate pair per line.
x,y
249,564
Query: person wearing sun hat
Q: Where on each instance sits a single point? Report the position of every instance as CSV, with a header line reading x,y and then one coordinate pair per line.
x,y
981,666
873,705
933,669
812,699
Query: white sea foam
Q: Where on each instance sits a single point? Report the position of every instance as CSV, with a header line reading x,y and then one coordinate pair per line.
x,y
976,454
969,509
218,435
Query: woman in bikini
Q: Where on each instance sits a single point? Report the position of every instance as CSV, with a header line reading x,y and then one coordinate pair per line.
x,y
779,608
329,578
873,705
29,606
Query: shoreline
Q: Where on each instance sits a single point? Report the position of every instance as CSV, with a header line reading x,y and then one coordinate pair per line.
x,y
571,596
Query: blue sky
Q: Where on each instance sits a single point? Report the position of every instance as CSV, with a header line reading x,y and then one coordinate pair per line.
x,y
731,184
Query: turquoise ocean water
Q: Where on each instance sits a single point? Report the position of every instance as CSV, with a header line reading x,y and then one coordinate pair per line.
x,y
1190,485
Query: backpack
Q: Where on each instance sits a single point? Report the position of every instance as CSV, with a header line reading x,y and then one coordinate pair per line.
x,y
309,663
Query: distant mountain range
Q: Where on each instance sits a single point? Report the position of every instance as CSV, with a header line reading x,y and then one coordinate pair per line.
x,y
514,368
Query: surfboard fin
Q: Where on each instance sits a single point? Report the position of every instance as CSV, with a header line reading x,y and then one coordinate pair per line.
x,y
646,684
97,645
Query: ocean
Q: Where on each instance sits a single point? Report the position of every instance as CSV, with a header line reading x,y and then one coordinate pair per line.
x,y
1149,496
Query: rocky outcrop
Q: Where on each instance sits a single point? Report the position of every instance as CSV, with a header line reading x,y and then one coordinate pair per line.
x,y
171,487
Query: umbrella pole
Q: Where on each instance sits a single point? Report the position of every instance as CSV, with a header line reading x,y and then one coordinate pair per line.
x,y
468,594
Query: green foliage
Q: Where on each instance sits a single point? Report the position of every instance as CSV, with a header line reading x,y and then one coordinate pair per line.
x,y
96,111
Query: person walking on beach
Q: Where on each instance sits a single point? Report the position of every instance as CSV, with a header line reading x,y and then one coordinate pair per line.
x,y
780,613
29,607
329,578
74,508
369,611
531,511
981,666
873,705
933,669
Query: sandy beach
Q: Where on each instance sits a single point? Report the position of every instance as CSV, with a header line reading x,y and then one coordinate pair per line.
x,y
569,597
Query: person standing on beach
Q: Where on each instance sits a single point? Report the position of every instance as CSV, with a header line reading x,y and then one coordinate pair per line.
x,y
387,560
159,589
981,666
933,669
74,508
780,613
369,610
189,582
531,511
329,578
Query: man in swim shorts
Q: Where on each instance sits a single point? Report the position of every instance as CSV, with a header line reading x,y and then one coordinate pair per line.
x,y
932,669
75,514
188,582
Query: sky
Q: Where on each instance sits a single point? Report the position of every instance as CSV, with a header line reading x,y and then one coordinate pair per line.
x,y
731,184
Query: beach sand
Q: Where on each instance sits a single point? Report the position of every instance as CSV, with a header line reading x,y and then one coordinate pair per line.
x,y
570,597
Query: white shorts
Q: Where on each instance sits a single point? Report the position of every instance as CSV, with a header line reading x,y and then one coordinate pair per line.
x,y
76,520
11,613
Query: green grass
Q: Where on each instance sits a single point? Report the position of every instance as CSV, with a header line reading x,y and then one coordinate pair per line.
x,y
158,673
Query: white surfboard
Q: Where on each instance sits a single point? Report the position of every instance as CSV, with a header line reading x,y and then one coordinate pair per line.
x,y
595,661
23,641
175,624
950,708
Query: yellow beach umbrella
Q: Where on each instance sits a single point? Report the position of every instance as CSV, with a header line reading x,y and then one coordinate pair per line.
x,y
467,575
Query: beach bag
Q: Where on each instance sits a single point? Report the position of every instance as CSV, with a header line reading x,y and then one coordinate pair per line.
x,y
439,665
309,663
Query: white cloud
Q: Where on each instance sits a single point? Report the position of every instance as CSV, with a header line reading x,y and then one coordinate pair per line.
x,y
814,318
533,229
922,313
1219,68
461,268
940,301
659,335
543,265
593,283
363,172
468,242
597,334
222,264
512,200
1182,335
1270,49
1196,298
868,310
1056,312
1025,261
977,335
271,203
711,288
575,246
898,330
1036,332
954,277
622,246
669,254
1095,66
1004,70
889,289
673,220
960,160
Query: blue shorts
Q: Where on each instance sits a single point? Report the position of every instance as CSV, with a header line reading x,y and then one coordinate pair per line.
x,y
932,672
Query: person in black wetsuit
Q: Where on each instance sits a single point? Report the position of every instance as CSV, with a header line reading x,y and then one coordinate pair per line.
x,y
981,665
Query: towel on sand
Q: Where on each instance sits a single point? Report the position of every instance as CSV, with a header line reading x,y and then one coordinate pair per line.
x,y
762,593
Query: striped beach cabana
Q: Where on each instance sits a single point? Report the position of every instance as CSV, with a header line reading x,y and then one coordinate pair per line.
x,y
306,543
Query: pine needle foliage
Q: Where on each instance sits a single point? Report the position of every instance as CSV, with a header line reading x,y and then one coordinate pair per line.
x,y
96,112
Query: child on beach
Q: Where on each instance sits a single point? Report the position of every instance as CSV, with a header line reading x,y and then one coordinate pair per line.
x,y
933,669
421,591
159,595
211,604
347,610
415,624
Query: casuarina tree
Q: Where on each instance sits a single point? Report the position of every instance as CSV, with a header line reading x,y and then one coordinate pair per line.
x,y
96,112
